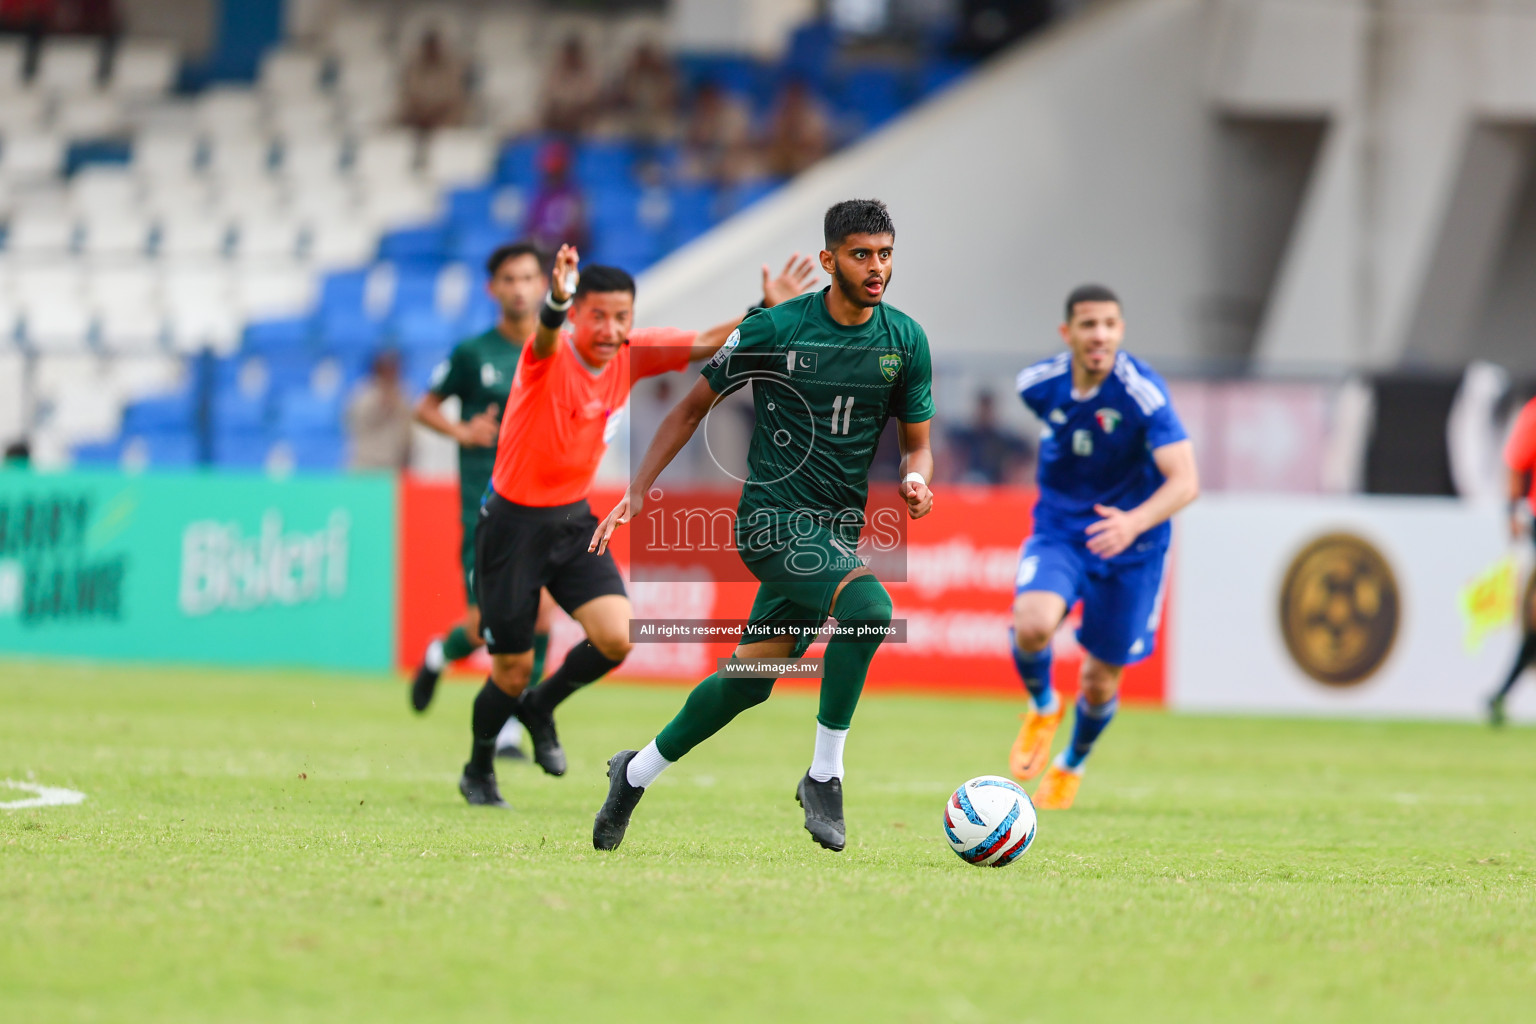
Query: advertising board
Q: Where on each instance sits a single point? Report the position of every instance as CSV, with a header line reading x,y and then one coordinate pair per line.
x,y
202,568
1370,606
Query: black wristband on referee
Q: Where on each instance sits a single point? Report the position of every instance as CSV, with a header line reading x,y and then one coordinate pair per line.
x,y
554,319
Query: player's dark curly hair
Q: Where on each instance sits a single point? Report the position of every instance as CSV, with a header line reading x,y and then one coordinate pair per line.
x,y
598,278
1089,293
856,217
512,251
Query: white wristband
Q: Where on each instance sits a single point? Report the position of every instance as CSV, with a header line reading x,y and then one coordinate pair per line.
x,y
558,307
914,478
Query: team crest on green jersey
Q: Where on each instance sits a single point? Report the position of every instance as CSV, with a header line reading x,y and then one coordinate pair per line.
x,y
890,365
1108,419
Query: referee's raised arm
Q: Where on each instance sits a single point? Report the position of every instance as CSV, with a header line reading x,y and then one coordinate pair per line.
x,y
562,287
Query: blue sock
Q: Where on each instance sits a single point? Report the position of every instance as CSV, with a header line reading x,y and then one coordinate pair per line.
x,y
1091,719
1035,671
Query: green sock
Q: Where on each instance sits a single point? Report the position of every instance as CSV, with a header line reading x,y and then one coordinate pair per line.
x,y
711,705
540,649
457,644
860,604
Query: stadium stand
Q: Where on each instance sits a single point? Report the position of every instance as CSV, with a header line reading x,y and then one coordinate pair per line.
x,y
200,277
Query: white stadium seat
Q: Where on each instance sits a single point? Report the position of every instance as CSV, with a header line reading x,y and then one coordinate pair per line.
x,y
311,116
199,305
158,153
460,156
13,393
239,158
396,204
56,326
13,63
266,238
311,159
120,283
21,113
143,68
41,232
31,157
191,236
118,233
446,19
177,196
103,188
388,156
140,376
509,94
229,111
10,324
68,66
59,281
340,243
286,72
90,116
358,27
130,328
277,291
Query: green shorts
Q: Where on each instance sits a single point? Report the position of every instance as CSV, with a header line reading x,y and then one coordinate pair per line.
x,y
799,569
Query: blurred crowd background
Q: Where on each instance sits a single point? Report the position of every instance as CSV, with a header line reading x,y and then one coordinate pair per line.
x,y
240,235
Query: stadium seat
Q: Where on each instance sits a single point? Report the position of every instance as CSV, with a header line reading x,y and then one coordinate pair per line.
x,y
387,157
275,338
68,67
515,84
423,330
286,73
347,331
419,245
318,452
109,189
518,163
22,113
228,112
241,450
160,450
308,161
458,156
97,454
130,327
259,238
41,233
120,234
398,204
161,153
336,243
143,68
313,116
301,413
31,157
90,116
874,93
13,64
232,412
275,290
600,164
191,236
164,414
56,326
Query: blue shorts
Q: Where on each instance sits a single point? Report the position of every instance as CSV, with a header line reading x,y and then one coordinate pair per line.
x,y
1122,601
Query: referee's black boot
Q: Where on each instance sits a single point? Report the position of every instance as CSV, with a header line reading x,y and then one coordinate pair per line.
x,y
823,803
480,790
540,723
613,817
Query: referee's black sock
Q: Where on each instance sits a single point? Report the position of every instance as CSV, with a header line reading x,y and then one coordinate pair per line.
x,y
492,709
1523,660
585,664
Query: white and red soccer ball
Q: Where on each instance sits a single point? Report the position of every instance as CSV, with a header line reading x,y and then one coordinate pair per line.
x,y
990,821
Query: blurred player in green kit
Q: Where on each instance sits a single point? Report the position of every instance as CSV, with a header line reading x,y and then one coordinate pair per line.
x,y
479,372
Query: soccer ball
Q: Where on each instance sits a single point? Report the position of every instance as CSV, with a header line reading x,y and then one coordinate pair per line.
x,y
989,821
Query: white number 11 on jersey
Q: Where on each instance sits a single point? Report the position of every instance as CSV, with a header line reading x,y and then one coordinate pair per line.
x,y
845,407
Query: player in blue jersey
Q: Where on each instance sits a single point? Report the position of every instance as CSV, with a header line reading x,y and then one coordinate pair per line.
x,y
1115,465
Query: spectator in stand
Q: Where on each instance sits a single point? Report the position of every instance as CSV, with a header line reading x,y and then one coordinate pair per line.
x,y
647,96
378,418
799,132
572,92
433,90
985,453
18,455
557,215
717,143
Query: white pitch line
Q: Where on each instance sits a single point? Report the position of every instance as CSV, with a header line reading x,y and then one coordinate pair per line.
x,y
47,796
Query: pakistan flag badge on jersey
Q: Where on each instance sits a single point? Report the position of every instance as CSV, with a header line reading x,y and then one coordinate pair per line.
x,y
890,365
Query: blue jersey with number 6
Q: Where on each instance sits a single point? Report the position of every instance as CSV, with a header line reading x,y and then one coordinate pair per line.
x,y
1096,449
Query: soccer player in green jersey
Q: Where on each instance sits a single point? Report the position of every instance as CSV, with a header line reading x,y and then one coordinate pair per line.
x,y
827,370
479,373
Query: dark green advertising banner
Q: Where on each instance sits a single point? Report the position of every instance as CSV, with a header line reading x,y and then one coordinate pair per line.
x,y
240,570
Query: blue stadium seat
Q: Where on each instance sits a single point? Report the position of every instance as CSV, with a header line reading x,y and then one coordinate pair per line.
x,y
519,162
241,450
811,49
318,452
302,414
939,73
347,330
693,212
98,454
343,291
472,243
473,205
738,197
166,414
417,366
423,330
875,93
415,289
604,164
274,337
427,245
166,449
231,412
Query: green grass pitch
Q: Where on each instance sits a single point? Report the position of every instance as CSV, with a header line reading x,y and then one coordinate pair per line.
x,y
291,847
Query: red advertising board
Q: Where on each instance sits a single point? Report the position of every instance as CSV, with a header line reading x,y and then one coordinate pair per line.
x,y
955,601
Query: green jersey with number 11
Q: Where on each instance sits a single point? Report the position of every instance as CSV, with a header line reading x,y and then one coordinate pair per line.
x,y
822,392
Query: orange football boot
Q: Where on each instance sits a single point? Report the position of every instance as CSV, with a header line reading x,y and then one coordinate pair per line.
x,y
1058,789
1032,747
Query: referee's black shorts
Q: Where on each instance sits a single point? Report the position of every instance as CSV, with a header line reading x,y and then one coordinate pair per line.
x,y
521,548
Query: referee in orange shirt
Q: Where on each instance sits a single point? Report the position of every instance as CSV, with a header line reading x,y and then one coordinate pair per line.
x,y
567,396
1520,456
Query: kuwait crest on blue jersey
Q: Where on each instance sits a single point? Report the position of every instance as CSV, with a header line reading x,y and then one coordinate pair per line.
x,y
890,364
1108,419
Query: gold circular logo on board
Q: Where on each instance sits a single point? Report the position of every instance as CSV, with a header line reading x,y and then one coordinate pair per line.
x,y
1339,609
